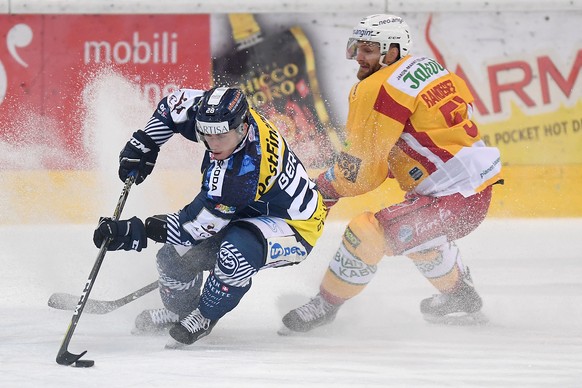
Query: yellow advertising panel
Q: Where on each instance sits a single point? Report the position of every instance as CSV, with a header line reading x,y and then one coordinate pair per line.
x,y
553,138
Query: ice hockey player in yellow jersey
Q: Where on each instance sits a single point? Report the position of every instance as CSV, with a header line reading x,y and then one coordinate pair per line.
x,y
409,119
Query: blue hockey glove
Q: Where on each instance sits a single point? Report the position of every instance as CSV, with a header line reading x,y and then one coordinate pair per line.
x,y
124,234
139,155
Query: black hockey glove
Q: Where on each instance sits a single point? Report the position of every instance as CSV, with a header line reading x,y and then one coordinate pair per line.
x,y
139,155
124,234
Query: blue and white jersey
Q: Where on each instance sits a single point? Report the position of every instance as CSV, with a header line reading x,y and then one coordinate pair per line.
x,y
262,177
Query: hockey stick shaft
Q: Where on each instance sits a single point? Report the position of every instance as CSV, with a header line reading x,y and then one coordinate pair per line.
x,y
64,301
64,357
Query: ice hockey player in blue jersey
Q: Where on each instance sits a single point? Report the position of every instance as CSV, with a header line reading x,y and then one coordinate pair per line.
x,y
256,209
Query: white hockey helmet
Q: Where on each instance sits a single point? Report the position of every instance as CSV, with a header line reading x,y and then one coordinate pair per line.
x,y
383,29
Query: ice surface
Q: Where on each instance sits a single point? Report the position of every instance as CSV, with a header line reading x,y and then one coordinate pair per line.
x,y
529,273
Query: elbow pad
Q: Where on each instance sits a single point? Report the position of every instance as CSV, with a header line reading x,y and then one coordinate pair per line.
x,y
156,228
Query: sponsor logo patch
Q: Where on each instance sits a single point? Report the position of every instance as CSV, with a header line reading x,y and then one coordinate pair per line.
x,y
405,233
351,238
278,251
270,223
209,128
176,104
163,110
216,177
229,261
225,209
270,161
349,166
350,268
415,173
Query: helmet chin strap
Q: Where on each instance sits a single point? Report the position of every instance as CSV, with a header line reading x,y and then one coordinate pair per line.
x,y
243,136
206,145
382,63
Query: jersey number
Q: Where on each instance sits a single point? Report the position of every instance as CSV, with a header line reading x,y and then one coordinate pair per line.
x,y
453,117
295,181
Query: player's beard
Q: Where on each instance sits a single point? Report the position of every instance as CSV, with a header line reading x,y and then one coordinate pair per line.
x,y
365,71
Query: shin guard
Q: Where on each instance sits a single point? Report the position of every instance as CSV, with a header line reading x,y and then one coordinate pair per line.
x,y
354,264
241,254
442,266
179,285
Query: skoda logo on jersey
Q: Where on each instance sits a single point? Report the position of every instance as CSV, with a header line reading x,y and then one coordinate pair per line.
x,y
277,250
216,178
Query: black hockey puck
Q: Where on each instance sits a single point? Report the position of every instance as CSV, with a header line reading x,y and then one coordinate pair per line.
x,y
84,363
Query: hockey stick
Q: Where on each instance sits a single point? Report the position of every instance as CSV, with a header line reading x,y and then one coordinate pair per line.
x,y
64,357
64,301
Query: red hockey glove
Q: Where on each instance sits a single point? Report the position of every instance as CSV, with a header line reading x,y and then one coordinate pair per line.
x,y
330,196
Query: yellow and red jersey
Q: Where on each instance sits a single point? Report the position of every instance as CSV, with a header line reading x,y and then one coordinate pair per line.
x,y
412,121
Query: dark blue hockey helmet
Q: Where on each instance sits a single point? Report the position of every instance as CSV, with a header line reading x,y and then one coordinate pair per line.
x,y
221,110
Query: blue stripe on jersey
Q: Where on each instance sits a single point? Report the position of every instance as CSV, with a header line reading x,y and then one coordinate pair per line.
x,y
173,225
158,131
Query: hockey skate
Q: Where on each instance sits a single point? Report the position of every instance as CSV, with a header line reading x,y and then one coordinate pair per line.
x,y
190,330
459,308
315,313
155,321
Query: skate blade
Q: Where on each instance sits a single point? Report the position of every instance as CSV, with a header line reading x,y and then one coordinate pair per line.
x,y
458,319
149,333
172,344
284,331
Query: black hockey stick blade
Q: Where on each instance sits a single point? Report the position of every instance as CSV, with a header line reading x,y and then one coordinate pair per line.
x,y
64,301
67,358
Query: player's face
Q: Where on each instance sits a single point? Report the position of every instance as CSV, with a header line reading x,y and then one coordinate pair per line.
x,y
368,57
224,144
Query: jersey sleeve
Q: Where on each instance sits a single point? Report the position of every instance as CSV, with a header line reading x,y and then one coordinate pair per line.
x,y
375,122
174,114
